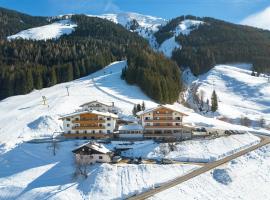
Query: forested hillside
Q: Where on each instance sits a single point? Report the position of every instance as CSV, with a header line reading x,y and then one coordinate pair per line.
x,y
12,22
219,42
27,64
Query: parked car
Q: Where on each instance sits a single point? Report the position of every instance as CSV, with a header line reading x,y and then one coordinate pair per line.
x,y
166,161
116,159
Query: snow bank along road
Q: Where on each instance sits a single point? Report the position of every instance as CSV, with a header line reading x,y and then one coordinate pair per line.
x,y
264,141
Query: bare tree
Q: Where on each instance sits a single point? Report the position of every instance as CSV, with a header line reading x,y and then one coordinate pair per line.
x,y
82,163
172,146
164,149
262,122
245,121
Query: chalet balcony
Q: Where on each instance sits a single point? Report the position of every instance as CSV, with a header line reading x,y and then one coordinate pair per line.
x,y
163,114
164,127
86,121
87,135
163,120
87,127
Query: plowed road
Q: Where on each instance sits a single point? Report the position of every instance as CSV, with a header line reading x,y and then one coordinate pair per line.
x,y
207,167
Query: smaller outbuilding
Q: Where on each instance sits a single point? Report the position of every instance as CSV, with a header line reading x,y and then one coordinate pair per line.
x,y
93,152
131,131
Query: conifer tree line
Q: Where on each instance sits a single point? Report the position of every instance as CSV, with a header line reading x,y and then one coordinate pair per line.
x,y
218,42
26,65
138,108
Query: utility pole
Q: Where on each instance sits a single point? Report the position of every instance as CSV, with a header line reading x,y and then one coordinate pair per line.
x,y
67,87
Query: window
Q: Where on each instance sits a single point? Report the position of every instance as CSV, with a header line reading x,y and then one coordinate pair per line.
x,y
69,132
147,124
108,124
85,131
100,157
108,131
68,119
93,131
108,118
67,125
100,131
77,118
77,132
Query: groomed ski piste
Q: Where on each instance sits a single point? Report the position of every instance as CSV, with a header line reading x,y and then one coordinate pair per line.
x,y
30,171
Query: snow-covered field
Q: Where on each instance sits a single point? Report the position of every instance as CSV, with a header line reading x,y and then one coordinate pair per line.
x,y
200,150
239,93
30,171
25,117
51,31
245,178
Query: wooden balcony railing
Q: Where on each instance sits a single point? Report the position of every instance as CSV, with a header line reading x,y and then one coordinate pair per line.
x,y
89,121
163,114
163,120
162,126
87,127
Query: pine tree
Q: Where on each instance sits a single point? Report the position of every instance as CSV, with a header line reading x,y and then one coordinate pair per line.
x,y
143,106
139,107
134,111
214,102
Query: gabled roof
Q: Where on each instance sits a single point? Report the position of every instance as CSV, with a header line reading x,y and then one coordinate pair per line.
x,y
106,114
103,103
96,147
168,106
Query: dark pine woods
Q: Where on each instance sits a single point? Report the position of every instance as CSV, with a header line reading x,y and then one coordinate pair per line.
x,y
25,65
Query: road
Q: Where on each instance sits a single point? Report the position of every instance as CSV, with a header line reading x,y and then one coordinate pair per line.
x,y
207,167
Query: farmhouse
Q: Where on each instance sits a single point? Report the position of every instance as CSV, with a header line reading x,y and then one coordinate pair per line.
x,y
100,106
91,153
89,124
164,121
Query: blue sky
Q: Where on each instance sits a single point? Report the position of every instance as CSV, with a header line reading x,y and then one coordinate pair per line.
x,y
230,10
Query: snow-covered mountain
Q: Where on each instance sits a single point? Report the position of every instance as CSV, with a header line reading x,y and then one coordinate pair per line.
x,y
51,31
184,27
145,25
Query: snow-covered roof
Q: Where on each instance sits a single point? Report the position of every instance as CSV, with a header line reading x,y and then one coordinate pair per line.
x,y
95,146
130,127
106,114
168,106
103,103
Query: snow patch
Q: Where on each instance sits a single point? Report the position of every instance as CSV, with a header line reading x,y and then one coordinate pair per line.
x,y
185,27
51,31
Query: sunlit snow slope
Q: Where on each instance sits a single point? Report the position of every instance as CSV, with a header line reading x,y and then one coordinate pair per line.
x,y
239,93
24,117
51,31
